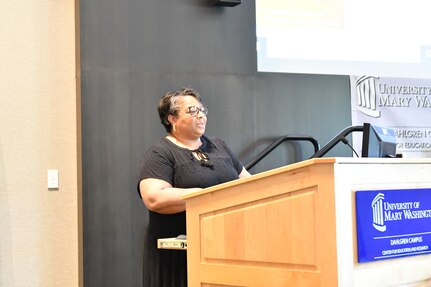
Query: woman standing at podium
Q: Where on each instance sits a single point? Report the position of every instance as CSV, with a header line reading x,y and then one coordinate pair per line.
x,y
182,162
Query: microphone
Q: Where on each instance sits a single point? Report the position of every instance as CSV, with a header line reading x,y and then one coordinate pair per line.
x,y
345,141
207,164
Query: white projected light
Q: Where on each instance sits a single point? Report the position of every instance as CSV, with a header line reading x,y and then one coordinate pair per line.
x,y
344,37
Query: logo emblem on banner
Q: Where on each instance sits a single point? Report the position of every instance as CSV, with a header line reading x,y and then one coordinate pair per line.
x,y
378,216
367,96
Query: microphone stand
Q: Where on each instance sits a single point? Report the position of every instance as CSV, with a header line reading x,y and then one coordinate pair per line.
x,y
336,140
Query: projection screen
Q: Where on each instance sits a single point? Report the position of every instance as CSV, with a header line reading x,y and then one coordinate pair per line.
x,y
387,38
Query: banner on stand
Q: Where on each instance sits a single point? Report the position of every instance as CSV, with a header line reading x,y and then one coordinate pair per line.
x,y
403,104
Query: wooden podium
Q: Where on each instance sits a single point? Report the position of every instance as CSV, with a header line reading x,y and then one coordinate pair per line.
x,y
295,226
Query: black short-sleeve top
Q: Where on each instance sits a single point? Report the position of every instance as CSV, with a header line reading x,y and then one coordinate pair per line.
x,y
178,166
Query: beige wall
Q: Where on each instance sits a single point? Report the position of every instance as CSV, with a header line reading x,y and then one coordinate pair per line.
x,y
40,237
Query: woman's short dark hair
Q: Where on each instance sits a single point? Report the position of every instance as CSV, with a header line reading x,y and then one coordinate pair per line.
x,y
168,105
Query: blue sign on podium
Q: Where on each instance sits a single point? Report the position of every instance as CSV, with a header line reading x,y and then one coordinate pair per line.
x,y
393,223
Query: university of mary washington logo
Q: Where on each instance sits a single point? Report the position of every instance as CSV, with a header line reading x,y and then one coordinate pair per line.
x,y
367,96
378,216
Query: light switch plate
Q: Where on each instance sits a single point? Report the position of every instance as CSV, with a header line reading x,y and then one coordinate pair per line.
x,y
52,178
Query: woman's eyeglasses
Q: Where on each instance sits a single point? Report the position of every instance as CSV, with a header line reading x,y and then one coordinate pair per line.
x,y
194,111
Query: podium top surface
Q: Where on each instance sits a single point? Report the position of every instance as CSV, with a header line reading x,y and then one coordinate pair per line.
x,y
309,162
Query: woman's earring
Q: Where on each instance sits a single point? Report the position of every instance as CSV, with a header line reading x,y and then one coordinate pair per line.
x,y
174,128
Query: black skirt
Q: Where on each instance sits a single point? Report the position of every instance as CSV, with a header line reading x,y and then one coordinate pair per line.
x,y
164,267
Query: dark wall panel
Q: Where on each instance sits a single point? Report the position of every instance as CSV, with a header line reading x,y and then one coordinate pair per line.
x,y
132,51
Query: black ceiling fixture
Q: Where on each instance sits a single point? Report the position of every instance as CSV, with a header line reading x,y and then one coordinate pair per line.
x,y
229,3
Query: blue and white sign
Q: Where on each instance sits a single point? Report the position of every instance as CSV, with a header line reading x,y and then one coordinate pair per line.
x,y
393,223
